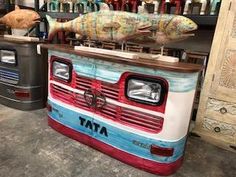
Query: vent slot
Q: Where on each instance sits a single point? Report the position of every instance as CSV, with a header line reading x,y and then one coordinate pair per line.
x,y
125,116
109,111
62,94
9,76
80,102
141,120
110,90
83,83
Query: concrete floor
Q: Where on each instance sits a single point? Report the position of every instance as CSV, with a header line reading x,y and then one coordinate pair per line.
x,y
29,148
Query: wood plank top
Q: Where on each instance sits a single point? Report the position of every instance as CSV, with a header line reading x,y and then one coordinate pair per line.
x,y
150,63
19,41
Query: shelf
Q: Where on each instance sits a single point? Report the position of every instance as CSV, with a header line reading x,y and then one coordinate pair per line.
x,y
60,15
205,20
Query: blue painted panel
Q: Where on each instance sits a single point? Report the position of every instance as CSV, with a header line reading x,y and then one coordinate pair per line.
x,y
111,72
86,66
121,139
69,118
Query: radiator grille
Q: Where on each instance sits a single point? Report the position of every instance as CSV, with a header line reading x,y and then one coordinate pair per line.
x,y
80,102
62,94
83,83
123,115
9,76
109,111
141,120
109,90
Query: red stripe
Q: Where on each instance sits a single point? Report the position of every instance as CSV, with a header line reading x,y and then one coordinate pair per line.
x,y
144,164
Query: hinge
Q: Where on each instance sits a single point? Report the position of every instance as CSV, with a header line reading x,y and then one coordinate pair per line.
x,y
213,77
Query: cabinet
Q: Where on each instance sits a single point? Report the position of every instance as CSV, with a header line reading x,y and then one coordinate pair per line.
x,y
216,118
95,105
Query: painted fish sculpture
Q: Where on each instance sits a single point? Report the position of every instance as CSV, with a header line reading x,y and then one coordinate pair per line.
x,y
20,18
104,25
119,26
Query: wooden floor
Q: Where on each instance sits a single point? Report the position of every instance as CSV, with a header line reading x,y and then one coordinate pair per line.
x,y
29,148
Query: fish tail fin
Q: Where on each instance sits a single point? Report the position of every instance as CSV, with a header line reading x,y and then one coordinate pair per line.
x,y
1,20
54,27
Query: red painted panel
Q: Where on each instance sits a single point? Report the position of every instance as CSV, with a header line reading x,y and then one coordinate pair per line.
x,y
113,91
136,119
144,164
117,91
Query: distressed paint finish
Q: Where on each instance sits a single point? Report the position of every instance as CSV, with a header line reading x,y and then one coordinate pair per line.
x,y
168,28
117,138
114,134
111,72
104,25
121,26
143,164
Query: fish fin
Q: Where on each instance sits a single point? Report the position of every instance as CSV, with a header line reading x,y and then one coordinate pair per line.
x,y
103,6
114,25
17,7
52,27
19,19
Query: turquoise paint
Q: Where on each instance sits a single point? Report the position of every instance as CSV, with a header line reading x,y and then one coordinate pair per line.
x,y
117,138
111,72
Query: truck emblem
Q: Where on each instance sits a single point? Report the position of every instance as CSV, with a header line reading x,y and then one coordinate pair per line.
x,y
94,98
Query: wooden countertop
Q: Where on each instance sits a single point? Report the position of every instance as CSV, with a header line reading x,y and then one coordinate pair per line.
x,y
150,63
18,41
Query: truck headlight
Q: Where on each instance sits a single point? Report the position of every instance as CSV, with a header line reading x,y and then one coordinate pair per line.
x,y
149,91
61,70
8,57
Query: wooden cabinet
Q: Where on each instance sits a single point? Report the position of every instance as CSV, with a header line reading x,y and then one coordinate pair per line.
x,y
216,118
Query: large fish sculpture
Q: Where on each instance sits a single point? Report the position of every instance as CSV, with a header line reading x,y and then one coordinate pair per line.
x,y
20,18
119,26
104,25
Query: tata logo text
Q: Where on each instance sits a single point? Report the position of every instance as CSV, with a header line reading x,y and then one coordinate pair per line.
x,y
95,127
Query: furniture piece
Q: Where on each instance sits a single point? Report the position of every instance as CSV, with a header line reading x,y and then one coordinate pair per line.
x,y
135,110
216,118
23,75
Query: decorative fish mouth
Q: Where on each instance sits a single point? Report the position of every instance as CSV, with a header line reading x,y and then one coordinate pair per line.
x,y
37,20
144,29
188,34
